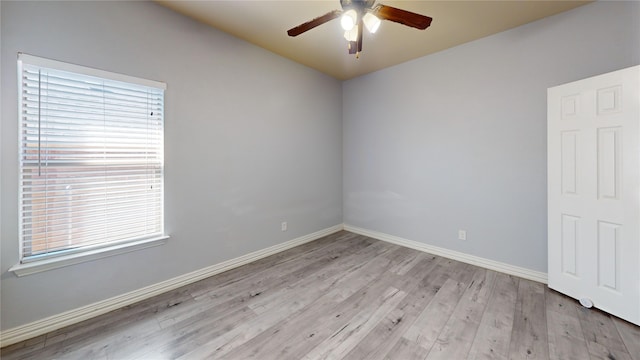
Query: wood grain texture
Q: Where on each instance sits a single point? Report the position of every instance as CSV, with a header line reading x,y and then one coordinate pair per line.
x,y
457,336
347,296
602,336
529,338
630,335
565,335
494,333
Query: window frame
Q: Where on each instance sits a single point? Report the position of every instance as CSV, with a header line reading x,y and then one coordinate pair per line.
x,y
65,257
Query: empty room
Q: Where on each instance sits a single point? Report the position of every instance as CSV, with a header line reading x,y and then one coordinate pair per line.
x,y
327,179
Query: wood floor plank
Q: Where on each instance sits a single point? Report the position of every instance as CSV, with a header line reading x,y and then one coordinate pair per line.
x,y
630,335
601,335
424,331
494,334
406,349
23,348
95,346
404,266
529,338
456,338
101,347
381,340
565,335
178,341
346,296
344,340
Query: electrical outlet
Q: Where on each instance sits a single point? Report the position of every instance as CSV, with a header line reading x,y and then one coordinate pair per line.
x,y
283,226
462,235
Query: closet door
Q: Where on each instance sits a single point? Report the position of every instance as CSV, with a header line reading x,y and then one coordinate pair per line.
x,y
594,191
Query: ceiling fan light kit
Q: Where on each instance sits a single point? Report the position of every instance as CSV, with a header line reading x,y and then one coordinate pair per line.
x,y
371,22
351,35
349,19
355,13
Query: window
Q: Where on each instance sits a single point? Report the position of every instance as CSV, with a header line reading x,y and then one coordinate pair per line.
x,y
91,159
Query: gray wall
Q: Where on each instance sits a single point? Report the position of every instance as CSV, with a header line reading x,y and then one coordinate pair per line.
x,y
457,140
251,140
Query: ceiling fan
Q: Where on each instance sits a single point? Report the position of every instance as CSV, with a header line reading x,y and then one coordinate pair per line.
x,y
355,13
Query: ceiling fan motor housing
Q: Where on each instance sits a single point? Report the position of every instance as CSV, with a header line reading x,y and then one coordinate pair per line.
x,y
358,5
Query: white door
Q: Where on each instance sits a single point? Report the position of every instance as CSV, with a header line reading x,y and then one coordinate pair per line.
x,y
594,191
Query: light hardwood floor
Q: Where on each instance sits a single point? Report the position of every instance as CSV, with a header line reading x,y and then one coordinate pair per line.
x,y
347,296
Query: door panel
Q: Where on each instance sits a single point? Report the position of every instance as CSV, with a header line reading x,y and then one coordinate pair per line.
x,y
570,242
609,157
569,162
608,255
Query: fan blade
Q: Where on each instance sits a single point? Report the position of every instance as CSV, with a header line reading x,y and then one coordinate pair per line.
x,y
313,23
402,16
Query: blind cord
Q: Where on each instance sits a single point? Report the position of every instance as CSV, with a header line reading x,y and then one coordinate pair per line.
x,y
39,120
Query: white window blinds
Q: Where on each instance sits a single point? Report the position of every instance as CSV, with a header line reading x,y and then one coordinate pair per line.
x,y
91,158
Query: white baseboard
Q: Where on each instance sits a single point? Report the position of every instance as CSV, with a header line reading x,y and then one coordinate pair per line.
x,y
455,255
43,326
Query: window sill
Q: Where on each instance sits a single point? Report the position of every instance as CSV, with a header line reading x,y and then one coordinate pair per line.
x,y
62,261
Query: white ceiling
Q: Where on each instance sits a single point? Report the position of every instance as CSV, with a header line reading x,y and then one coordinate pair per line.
x,y
265,23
